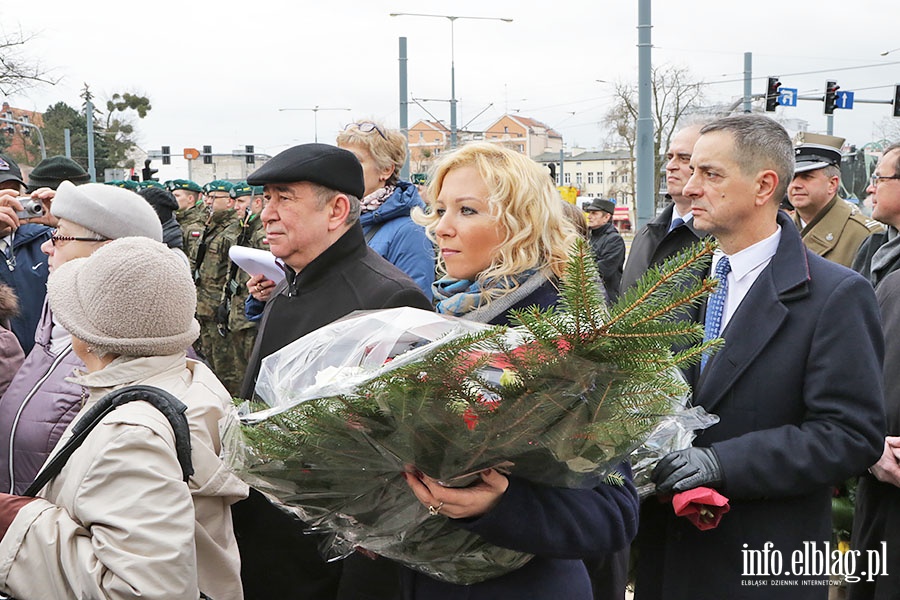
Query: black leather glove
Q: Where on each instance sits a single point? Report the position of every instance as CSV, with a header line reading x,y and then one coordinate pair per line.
x,y
686,469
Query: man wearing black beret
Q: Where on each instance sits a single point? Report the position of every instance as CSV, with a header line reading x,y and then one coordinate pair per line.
x,y
312,225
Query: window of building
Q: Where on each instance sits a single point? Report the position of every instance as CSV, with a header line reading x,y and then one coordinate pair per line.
x,y
590,177
612,179
505,129
600,177
568,178
578,180
625,178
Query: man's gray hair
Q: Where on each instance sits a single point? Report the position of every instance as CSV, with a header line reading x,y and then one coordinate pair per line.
x,y
759,144
324,194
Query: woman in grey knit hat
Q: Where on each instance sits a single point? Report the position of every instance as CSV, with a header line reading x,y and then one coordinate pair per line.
x,y
119,521
40,402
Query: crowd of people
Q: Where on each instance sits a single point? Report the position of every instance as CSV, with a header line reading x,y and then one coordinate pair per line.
x,y
110,288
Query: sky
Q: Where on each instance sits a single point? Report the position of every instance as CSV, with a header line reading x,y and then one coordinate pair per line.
x,y
219,72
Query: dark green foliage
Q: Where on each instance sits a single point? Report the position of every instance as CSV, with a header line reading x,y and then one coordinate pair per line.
x,y
582,392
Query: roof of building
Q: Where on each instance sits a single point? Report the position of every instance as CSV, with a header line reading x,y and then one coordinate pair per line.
x,y
584,156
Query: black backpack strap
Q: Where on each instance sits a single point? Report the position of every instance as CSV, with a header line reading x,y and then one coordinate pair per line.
x,y
170,406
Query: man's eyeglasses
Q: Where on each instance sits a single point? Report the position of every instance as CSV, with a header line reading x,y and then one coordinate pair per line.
x,y
366,127
875,179
56,239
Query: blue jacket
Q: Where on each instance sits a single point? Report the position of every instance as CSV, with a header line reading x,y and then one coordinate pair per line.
x,y
560,526
400,241
27,274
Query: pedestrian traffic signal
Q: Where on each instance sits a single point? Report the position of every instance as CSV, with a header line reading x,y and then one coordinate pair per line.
x,y
897,100
831,88
166,155
250,155
772,94
148,173
207,155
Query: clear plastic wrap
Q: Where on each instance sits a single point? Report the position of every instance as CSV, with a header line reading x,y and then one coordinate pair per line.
x,y
355,404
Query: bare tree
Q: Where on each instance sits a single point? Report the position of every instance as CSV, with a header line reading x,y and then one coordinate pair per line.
x,y
675,93
18,71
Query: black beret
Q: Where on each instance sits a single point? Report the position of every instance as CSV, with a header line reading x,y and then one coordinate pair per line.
x,y
598,204
329,166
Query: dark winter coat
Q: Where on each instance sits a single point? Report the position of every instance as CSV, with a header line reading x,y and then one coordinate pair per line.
x,y
36,408
347,276
877,516
26,273
654,243
173,236
560,526
862,264
609,256
400,241
799,400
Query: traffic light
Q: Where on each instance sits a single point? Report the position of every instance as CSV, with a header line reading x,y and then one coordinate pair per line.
x,y
831,88
897,100
207,155
772,94
166,155
250,155
148,173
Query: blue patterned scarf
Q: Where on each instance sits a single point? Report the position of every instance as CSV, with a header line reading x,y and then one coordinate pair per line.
x,y
459,297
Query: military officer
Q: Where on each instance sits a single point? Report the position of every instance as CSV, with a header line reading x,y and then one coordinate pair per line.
x,y
830,226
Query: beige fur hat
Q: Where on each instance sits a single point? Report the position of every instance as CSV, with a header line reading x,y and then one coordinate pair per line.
x,y
131,297
105,209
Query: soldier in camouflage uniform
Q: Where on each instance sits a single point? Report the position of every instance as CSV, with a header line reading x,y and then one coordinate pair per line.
x,y
248,231
191,215
210,260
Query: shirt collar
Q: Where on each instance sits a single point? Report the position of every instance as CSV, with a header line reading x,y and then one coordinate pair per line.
x,y
750,258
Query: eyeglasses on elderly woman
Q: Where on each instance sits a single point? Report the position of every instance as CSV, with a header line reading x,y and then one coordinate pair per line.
x,y
58,240
366,127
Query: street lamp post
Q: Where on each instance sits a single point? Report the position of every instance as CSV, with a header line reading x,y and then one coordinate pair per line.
x,y
315,110
452,19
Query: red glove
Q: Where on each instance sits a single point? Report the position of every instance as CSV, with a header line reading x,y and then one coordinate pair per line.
x,y
9,508
702,506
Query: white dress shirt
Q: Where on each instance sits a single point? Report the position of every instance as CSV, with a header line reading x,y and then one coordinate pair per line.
x,y
746,266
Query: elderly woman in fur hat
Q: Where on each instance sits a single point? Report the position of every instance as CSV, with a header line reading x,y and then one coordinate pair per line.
x,y
119,520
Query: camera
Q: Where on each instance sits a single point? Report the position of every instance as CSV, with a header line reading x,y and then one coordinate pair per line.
x,y
31,208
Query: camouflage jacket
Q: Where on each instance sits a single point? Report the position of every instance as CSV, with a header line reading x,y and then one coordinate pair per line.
x,y
211,270
192,221
245,233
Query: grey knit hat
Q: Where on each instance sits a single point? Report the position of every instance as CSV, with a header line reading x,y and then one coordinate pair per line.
x,y
131,297
111,211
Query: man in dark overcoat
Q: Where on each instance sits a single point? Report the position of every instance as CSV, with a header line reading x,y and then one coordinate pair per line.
x,y
672,230
312,226
796,386
877,517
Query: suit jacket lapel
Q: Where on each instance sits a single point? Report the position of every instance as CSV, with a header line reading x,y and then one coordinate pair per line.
x,y
758,318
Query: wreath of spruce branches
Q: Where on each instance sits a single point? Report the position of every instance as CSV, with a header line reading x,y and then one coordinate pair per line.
x,y
572,403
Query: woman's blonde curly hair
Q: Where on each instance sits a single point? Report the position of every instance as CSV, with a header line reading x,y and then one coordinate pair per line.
x,y
528,208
